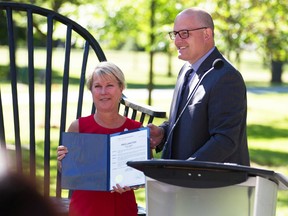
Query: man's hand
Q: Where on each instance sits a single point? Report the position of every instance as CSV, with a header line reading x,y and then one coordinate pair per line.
x,y
156,135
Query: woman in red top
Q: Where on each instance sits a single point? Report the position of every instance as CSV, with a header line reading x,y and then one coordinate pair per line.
x,y
106,84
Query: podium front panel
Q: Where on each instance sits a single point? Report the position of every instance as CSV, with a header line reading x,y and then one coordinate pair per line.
x,y
255,197
170,200
180,188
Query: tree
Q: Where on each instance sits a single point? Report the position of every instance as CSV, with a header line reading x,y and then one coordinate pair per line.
x,y
233,29
122,24
272,33
141,24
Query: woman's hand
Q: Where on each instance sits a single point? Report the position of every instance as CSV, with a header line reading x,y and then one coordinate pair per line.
x,y
119,189
61,153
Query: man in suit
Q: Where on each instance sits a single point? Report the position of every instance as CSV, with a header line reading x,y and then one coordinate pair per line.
x,y
212,126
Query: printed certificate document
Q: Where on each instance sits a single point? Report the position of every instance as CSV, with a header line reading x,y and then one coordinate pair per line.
x,y
127,147
98,161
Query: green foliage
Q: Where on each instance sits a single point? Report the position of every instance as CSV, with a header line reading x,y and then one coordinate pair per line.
x,y
258,25
125,24
271,29
232,28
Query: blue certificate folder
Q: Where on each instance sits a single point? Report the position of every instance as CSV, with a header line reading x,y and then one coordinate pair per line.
x,y
95,161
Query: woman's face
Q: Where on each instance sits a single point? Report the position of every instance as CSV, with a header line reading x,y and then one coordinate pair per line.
x,y
106,93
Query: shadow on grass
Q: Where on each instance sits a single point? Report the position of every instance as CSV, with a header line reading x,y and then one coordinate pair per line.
x,y
264,85
267,132
268,157
282,199
145,86
25,152
22,75
57,76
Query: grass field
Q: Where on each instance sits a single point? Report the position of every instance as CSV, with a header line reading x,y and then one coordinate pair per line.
x,y
267,112
267,137
267,107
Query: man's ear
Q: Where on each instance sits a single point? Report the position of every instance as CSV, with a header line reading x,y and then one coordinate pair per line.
x,y
207,33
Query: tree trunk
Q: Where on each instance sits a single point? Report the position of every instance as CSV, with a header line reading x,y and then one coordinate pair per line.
x,y
169,74
277,68
152,39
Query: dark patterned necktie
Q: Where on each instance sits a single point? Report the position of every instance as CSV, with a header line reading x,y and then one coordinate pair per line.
x,y
184,90
187,79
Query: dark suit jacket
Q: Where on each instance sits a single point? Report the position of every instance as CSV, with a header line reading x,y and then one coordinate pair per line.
x,y
213,126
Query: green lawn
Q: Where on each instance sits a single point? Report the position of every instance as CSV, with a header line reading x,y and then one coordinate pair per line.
x,y
267,111
267,137
267,108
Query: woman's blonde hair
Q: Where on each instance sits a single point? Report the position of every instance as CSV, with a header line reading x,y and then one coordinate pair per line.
x,y
106,69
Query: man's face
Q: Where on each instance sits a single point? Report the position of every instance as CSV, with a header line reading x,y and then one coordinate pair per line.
x,y
194,47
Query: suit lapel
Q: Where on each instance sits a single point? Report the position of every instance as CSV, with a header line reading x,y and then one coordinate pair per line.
x,y
204,67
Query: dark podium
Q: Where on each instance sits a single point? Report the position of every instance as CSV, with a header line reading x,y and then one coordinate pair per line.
x,y
180,188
